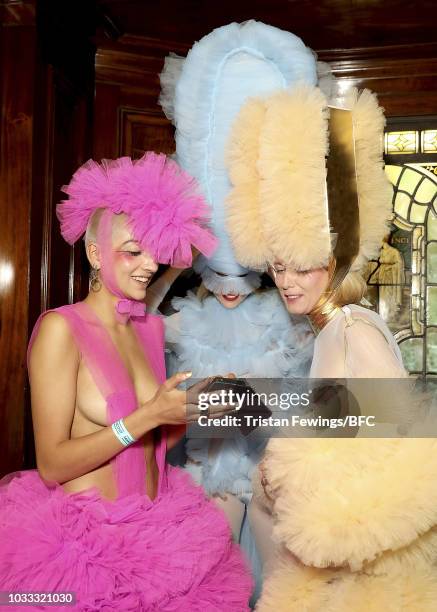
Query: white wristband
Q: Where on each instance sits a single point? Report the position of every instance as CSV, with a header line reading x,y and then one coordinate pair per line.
x,y
122,433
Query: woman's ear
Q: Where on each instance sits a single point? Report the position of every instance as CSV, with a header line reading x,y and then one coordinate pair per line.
x,y
93,254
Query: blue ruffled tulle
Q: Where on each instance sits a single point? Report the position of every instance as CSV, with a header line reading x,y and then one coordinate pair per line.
x,y
220,73
256,339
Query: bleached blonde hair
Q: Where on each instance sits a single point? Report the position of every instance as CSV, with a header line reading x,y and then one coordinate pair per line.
x,y
90,236
351,290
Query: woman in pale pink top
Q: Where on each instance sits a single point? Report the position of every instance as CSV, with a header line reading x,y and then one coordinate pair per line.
x,y
343,524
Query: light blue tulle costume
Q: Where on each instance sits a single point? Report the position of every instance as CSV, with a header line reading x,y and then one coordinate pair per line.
x,y
255,340
202,95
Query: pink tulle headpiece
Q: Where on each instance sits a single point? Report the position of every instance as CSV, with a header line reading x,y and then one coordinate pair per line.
x,y
167,214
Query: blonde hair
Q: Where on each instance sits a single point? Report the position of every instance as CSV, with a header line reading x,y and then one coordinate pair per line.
x,y
352,289
92,227
202,292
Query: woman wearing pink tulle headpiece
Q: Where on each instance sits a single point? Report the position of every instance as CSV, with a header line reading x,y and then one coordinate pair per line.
x,y
104,517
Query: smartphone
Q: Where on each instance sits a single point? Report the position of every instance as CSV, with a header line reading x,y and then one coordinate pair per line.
x,y
252,406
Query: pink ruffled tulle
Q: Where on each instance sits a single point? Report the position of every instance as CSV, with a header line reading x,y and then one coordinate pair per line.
x,y
165,208
130,555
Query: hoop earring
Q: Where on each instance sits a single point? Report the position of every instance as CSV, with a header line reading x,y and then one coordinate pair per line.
x,y
95,282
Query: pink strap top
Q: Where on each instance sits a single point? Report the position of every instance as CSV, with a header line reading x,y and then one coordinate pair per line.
x,y
112,379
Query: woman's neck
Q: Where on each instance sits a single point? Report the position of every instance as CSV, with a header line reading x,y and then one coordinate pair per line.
x,y
104,304
323,312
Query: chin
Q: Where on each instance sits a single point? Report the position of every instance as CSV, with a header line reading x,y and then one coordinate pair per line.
x,y
138,295
297,311
299,307
230,305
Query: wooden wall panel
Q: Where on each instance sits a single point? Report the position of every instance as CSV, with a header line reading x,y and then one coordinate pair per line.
x,y
128,119
17,57
67,277
46,108
62,141
105,128
322,24
143,130
404,77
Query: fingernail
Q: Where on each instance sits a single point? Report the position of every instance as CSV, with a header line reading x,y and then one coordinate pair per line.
x,y
188,374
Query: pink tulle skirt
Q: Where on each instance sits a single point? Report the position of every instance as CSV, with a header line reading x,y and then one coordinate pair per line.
x,y
124,556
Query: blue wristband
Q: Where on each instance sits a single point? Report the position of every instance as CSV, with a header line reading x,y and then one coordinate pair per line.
x,y
122,433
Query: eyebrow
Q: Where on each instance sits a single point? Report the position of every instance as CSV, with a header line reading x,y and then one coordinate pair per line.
x,y
128,242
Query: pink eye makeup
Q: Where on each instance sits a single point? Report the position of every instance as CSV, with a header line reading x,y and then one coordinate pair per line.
x,y
127,256
129,253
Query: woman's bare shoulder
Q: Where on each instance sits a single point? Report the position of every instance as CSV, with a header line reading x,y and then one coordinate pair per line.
x,y
54,337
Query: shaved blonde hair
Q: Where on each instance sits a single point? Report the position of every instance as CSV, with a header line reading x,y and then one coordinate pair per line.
x,y
90,236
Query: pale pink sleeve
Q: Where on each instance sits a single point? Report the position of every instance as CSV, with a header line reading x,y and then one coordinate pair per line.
x,y
368,354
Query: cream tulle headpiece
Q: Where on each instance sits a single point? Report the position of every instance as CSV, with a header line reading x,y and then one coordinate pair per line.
x,y
287,200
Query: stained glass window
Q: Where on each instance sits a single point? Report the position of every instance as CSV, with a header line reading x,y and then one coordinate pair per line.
x,y
410,142
403,281
431,351
429,141
402,142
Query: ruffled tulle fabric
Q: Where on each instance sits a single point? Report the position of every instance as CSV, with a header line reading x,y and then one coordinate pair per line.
x,y
166,211
131,555
229,284
256,339
220,73
230,470
169,76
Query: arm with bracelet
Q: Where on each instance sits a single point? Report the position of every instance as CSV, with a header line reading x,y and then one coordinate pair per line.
x,y
54,367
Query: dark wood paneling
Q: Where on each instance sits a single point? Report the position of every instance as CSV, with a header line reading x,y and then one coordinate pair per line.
x,y
128,119
404,77
46,93
17,12
388,46
67,279
141,131
17,75
105,129
322,24
63,108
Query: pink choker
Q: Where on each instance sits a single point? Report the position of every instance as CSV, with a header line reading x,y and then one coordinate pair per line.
x,y
126,309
